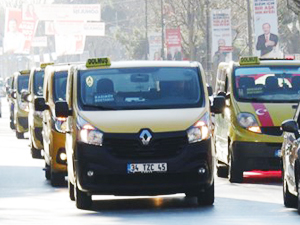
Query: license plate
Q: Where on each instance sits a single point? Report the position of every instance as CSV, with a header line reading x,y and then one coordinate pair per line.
x,y
147,168
278,153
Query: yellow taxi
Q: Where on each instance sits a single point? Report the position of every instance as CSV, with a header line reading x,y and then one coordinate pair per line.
x,y
20,106
35,118
260,95
55,81
142,124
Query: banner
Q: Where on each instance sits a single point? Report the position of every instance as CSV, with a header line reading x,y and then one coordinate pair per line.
x,y
173,37
221,36
155,46
69,44
266,28
72,27
18,33
63,12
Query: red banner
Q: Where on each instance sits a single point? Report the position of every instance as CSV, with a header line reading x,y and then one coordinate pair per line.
x,y
173,37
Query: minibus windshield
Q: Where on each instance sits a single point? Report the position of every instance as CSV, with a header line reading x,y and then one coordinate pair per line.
x,y
22,83
140,88
38,82
267,84
60,85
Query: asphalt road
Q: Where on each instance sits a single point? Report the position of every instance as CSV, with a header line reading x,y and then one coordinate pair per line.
x,y
27,198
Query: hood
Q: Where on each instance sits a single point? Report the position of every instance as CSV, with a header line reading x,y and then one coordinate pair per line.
x,y
132,121
268,114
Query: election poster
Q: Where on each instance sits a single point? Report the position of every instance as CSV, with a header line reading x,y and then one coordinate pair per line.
x,y
266,29
221,36
155,46
174,51
18,33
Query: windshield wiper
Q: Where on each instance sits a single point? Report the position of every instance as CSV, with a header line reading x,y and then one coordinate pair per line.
x,y
100,107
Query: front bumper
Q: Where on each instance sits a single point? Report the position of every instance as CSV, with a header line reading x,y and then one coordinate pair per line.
x,y
110,172
257,156
58,147
22,124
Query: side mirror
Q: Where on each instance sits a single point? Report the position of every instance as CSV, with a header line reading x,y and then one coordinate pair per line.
x,y
218,105
62,109
14,94
24,96
40,104
210,90
291,126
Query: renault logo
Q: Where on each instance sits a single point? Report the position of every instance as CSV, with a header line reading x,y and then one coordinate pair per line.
x,y
145,137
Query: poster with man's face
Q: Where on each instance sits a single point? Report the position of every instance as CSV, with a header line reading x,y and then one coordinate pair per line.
x,y
266,29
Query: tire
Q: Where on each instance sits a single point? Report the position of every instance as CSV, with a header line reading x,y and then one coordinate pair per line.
x,y
83,200
207,197
57,179
222,171
11,124
36,153
235,174
47,172
290,201
71,191
19,135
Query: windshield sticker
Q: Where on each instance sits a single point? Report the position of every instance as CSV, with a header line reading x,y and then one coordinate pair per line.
x,y
89,81
255,91
101,98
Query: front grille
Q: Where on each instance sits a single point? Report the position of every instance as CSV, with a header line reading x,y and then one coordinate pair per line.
x,y
274,131
130,147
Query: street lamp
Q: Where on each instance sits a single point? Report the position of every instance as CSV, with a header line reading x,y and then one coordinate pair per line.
x,y
162,30
208,42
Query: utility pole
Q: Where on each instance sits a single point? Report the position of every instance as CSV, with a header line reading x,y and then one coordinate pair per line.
x,y
249,28
146,26
162,30
208,42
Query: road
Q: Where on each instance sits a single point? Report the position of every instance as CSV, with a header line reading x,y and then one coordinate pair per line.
x,y
27,198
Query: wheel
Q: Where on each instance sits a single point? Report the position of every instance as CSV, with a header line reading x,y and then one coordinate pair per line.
x,y
11,124
57,179
47,172
36,153
83,200
207,197
222,171
290,201
235,173
19,135
71,191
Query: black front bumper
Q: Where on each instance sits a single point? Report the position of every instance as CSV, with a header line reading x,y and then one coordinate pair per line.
x,y
38,134
110,171
257,156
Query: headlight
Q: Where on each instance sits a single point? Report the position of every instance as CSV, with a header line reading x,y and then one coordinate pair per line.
x,y
38,114
24,106
200,130
60,124
88,133
249,122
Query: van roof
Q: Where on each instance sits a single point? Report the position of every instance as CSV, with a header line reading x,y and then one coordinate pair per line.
x,y
144,63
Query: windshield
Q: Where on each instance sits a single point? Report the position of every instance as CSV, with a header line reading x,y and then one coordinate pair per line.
x,y
140,88
22,83
267,84
38,82
60,85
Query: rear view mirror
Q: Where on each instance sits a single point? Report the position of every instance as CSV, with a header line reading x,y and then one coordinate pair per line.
x,y
24,96
210,90
40,104
218,105
62,109
291,126
139,78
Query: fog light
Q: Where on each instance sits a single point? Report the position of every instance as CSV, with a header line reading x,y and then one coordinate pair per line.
x,y
202,171
90,173
63,156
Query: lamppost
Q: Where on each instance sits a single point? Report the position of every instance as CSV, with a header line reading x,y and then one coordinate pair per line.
x,y
146,33
162,30
208,42
249,28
